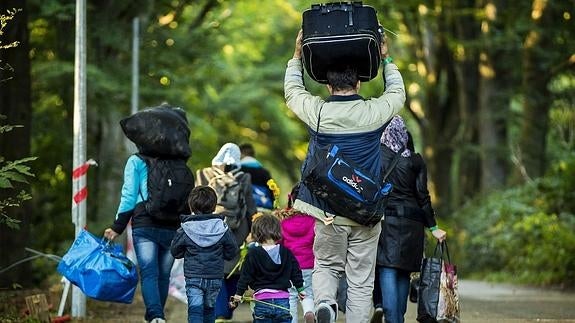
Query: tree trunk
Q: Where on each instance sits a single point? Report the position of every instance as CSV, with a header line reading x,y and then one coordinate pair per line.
x,y
496,79
537,99
493,106
15,103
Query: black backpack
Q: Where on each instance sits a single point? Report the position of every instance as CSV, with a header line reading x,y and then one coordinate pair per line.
x,y
170,182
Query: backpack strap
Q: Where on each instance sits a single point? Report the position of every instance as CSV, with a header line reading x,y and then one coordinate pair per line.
x,y
394,162
147,160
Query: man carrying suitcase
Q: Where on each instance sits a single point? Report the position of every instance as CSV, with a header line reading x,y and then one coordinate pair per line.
x,y
342,245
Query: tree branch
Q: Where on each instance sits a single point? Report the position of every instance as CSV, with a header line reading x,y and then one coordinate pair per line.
x,y
202,15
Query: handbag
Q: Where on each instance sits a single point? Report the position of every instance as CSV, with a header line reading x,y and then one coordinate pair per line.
x,y
348,190
100,269
438,297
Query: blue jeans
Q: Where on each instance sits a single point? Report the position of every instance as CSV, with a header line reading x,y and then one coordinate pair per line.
x,y
266,313
152,247
228,290
394,285
202,294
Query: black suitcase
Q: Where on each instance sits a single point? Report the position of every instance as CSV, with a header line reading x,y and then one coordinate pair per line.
x,y
341,33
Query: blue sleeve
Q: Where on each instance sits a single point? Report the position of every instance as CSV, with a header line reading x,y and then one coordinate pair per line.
x,y
178,247
135,187
230,247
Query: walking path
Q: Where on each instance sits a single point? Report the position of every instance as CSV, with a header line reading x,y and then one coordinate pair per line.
x,y
479,301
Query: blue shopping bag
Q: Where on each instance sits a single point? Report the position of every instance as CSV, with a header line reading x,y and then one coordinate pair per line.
x,y
100,269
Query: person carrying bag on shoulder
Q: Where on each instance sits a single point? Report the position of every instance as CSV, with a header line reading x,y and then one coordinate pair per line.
x,y
355,125
236,204
156,186
407,214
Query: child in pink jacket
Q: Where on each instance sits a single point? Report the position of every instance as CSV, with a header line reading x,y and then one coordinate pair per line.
x,y
298,235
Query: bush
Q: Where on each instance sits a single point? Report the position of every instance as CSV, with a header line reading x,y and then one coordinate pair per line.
x,y
523,234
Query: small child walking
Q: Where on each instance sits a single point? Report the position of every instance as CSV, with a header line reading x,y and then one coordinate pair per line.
x,y
270,270
298,232
204,241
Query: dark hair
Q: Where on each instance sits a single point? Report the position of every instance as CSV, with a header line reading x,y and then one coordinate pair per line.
x,y
202,200
266,227
342,78
247,150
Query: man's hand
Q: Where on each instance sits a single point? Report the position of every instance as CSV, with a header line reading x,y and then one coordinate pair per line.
x,y
110,234
297,51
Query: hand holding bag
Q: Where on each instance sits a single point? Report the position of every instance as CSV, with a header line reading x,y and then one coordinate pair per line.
x,y
100,269
438,299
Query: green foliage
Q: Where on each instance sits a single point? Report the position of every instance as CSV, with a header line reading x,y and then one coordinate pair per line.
x,y
223,62
523,234
11,172
4,20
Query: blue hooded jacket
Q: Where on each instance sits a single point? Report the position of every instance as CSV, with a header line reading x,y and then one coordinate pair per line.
x,y
204,241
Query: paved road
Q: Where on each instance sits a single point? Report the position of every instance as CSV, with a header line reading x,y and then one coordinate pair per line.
x,y
480,302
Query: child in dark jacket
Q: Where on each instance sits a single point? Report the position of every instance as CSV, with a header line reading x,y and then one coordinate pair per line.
x,y
270,270
204,241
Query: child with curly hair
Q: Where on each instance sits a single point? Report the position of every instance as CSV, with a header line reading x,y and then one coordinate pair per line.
x,y
269,270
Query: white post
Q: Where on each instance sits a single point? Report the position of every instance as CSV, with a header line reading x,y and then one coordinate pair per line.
x,y
79,184
135,63
130,147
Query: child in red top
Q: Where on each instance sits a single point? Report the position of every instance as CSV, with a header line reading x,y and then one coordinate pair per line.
x,y
298,235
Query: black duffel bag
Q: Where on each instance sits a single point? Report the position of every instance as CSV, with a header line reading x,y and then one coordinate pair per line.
x,y
348,190
159,132
341,34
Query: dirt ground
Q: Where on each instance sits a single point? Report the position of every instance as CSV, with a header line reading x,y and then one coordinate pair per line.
x,y
479,301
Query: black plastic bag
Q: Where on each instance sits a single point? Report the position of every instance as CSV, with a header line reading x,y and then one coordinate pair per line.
x,y
438,299
413,289
159,132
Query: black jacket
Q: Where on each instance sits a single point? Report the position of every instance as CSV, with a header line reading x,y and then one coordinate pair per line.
x,y
407,214
204,241
260,271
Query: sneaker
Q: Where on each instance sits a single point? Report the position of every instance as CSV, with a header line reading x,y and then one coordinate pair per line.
x,y
309,317
377,316
324,314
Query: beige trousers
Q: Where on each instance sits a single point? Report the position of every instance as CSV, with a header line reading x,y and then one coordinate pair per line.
x,y
349,249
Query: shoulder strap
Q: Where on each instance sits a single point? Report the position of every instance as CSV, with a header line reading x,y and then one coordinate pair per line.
x,y
238,174
394,162
318,120
147,160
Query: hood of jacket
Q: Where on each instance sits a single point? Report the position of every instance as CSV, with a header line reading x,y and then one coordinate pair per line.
x,y
204,230
298,226
250,161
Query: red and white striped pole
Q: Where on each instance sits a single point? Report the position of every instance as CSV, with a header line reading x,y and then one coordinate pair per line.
x,y
80,186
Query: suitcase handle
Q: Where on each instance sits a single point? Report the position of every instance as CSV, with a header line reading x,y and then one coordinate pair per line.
x,y
338,6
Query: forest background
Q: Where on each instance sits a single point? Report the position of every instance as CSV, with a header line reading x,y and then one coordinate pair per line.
x,y
490,96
